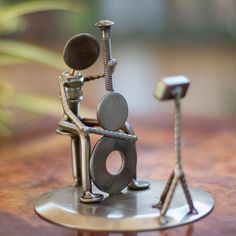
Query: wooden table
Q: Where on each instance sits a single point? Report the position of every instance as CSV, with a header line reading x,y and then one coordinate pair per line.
x,y
36,160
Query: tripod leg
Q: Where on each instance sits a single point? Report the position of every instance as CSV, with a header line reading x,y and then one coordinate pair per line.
x,y
164,192
188,195
167,201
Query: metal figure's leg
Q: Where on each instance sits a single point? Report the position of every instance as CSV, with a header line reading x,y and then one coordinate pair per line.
x,y
165,191
135,184
84,156
67,128
88,196
75,154
188,197
167,201
127,128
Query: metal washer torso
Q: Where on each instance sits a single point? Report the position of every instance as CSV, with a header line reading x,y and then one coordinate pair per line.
x,y
104,180
112,111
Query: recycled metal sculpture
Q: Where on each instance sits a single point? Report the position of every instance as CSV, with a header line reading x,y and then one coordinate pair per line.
x,y
99,200
80,52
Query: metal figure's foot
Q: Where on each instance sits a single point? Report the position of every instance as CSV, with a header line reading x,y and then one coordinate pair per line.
x,y
162,220
89,197
138,185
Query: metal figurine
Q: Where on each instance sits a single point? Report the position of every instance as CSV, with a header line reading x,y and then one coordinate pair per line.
x,y
80,52
71,90
99,200
174,88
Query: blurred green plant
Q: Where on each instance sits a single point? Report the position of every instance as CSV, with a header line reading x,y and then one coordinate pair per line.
x,y
13,52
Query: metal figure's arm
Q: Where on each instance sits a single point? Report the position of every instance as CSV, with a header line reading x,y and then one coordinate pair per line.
x,y
93,77
112,66
114,134
126,128
80,126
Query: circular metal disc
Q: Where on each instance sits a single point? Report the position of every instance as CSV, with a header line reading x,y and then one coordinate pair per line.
x,y
81,51
104,180
129,211
112,111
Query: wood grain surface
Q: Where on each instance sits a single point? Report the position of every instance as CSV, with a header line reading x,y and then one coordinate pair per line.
x,y
37,160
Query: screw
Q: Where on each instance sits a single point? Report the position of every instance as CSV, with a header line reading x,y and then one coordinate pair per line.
x,y
104,26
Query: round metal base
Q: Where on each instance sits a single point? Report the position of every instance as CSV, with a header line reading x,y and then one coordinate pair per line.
x,y
128,211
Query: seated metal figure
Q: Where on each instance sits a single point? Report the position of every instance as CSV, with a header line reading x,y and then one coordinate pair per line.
x,y
122,209
81,52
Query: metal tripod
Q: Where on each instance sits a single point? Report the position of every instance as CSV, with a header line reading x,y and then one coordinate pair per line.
x,y
178,173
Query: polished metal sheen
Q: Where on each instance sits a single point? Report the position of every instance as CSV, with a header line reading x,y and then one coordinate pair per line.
x,y
127,211
80,52
112,111
102,178
99,200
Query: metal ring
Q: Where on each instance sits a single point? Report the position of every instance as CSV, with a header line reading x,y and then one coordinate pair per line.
x,y
104,180
112,111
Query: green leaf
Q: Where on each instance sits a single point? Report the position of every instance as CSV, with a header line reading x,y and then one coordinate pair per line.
x,y
15,10
4,115
6,60
14,25
6,91
42,105
31,53
4,130
37,104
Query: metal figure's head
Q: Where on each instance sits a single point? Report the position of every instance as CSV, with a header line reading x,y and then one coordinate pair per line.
x,y
165,89
81,51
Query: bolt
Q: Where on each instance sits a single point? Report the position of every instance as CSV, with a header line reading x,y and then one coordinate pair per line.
x,y
104,26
